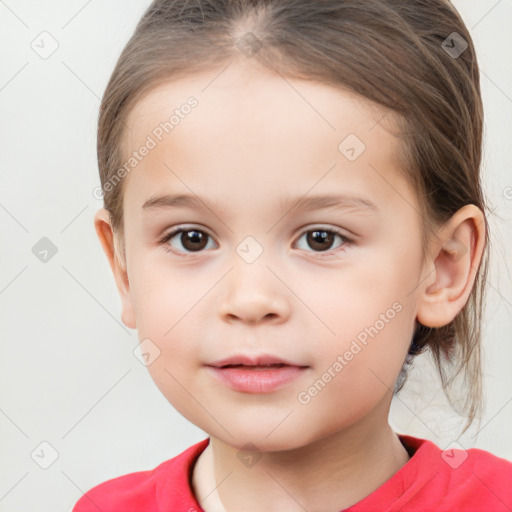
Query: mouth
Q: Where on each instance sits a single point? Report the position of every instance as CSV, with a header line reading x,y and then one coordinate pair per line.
x,y
261,367
261,361
256,378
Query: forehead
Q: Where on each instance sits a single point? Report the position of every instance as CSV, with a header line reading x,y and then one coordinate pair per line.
x,y
256,132
250,96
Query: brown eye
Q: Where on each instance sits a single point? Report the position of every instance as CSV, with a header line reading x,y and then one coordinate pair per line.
x,y
190,240
193,240
321,240
186,241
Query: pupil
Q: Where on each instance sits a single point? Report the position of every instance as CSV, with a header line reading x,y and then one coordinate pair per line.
x,y
320,240
194,239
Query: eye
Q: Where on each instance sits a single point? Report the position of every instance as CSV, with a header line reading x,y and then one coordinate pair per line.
x,y
195,240
191,239
321,239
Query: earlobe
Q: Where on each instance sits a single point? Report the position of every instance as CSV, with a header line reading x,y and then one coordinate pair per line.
x,y
457,252
105,234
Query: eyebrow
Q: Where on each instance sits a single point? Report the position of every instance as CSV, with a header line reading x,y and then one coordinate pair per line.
x,y
169,201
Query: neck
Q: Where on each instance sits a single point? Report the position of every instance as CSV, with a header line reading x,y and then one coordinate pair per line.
x,y
332,473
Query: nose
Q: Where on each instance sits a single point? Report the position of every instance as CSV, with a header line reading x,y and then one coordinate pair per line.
x,y
253,294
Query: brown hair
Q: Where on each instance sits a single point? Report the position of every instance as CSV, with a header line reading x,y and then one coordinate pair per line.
x,y
402,55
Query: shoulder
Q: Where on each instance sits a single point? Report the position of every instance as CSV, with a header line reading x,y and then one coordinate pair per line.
x,y
464,479
143,491
488,472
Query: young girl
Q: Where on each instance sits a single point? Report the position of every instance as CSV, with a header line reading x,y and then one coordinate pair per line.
x,y
293,211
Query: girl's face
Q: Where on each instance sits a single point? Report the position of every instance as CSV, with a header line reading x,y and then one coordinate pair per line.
x,y
257,276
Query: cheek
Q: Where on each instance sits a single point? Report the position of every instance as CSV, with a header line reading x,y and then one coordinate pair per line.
x,y
347,300
162,293
166,309
356,372
370,314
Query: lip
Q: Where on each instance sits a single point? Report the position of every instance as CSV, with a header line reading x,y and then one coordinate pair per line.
x,y
252,360
250,376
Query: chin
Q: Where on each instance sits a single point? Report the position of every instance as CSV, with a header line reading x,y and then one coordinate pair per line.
x,y
258,439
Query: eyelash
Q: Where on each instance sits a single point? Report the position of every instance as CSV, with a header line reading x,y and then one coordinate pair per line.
x,y
322,254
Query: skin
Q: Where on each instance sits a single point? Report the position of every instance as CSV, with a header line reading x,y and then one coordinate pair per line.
x,y
252,141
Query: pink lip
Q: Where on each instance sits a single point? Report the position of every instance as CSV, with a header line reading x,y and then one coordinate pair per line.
x,y
252,360
248,375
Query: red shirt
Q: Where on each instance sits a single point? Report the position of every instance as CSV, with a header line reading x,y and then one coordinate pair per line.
x,y
432,480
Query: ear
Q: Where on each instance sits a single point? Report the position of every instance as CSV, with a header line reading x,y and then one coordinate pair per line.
x,y
106,235
456,253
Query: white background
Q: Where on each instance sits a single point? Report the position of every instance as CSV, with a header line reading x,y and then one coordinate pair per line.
x,y
67,372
